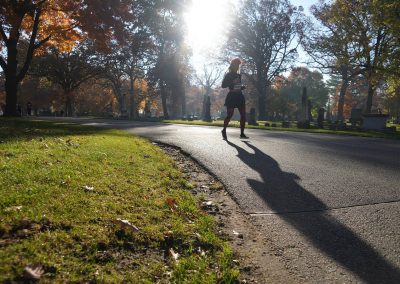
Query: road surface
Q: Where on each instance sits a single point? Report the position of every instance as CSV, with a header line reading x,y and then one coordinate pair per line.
x,y
330,204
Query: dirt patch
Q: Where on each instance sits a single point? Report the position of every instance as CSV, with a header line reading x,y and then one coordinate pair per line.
x,y
26,228
255,255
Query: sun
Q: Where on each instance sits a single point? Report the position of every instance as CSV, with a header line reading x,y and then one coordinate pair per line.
x,y
207,24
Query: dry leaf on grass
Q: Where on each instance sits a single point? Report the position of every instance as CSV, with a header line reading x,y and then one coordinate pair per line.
x,y
88,188
13,208
33,272
174,254
171,202
206,204
125,224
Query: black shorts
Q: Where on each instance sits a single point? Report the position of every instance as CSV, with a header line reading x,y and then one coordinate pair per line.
x,y
235,100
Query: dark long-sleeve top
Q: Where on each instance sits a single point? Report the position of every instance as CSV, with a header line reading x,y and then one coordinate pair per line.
x,y
233,81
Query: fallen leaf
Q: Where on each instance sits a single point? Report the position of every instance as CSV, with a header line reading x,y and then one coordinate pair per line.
x,y
201,252
206,204
125,224
168,234
174,254
239,235
33,272
13,208
171,202
88,188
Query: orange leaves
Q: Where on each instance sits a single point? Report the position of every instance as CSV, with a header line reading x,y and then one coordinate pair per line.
x,y
171,202
69,21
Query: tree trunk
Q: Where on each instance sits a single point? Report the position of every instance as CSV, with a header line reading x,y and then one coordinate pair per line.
x,y
11,83
262,102
262,97
69,104
183,104
11,86
164,100
122,103
342,94
262,114
371,91
133,110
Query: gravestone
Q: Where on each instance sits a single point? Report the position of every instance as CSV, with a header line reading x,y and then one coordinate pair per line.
x,y
320,118
206,111
374,121
356,116
304,121
252,117
309,108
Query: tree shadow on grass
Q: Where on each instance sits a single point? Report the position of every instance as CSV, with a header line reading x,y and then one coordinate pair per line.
x,y
281,192
19,129
22,129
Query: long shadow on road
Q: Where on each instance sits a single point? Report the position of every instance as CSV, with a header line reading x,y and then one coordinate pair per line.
x,y
281,192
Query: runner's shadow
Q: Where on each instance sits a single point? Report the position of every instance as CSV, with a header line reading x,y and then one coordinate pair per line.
x,y
282,193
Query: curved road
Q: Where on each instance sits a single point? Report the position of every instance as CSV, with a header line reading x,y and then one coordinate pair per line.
x,y
330,204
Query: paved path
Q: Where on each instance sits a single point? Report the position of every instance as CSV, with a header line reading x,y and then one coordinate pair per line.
x,y
328,203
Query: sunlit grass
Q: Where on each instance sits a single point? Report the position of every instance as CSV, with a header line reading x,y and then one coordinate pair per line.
x,y
277,126
63,188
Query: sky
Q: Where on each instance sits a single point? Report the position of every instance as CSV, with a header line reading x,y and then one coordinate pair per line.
x,y
207,22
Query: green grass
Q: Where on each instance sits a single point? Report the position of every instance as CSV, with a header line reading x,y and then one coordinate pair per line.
x,y
278,127
62,189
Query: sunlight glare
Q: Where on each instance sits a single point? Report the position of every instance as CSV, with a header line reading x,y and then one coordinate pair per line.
x,y
207,22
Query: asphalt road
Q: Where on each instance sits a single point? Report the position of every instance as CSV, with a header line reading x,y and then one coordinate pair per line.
x,y
329,204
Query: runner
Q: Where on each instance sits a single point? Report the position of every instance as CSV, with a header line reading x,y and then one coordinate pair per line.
x,y
235,98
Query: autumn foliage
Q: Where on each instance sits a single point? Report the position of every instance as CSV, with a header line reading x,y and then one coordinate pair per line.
x,y
54,23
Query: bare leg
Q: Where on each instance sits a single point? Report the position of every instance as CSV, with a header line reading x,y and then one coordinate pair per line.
x,y
229,113
242,111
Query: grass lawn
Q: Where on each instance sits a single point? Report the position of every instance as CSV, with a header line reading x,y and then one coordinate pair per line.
x,y
234,123
88,205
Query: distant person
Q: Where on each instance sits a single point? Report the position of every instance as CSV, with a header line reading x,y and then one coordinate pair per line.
x,y
29,108
19,110
235,98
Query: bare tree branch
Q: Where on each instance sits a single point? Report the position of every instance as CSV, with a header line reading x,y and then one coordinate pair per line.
x,y
31,47
3,34
3,64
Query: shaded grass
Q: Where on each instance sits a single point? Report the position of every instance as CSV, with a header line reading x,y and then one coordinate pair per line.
x,y
63,188
220,123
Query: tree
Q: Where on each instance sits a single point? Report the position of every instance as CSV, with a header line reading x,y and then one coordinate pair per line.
x,y
347,103
392,100
68,69
387,13
53,23
331,49
92,98
264,36
115,76
358,43
134,62
373,41
291,89
207,81
170,70
283,101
